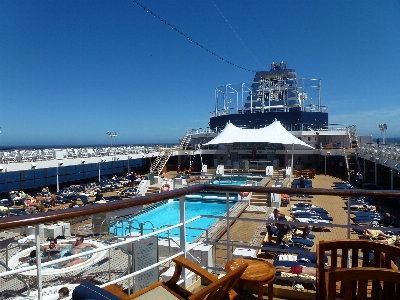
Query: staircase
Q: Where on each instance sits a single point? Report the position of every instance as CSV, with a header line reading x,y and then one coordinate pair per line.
x,y
353,136
352,161
160,161
152,190
185,141
262,199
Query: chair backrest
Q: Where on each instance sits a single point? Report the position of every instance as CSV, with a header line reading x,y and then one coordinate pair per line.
x,y
220,289
352,254
385,283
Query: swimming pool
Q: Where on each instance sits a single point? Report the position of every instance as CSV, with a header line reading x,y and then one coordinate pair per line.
x,y
234,180
168,214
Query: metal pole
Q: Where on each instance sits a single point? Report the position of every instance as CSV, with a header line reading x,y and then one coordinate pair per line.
x,y
325,165
391,179
376,171
182,235
99,171
291,163
58,186
38,262
228,233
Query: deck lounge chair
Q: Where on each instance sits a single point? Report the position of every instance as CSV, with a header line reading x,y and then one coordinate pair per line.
x,y
216,288
382,287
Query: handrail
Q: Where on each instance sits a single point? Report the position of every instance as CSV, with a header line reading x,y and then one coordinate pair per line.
x,y
20,279
55,216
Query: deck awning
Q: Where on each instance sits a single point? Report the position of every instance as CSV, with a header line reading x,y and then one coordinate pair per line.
x,y
274,133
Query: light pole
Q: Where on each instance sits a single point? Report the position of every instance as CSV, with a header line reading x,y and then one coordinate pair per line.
x,y
383,128
291,163
59,163
129,168
327,153
111,135
101,160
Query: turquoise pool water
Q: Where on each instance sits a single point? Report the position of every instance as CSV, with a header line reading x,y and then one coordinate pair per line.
x,y
168,214
233,180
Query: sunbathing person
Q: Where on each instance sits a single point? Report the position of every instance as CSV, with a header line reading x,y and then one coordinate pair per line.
x,y
379,234
63,293
298,270
75,261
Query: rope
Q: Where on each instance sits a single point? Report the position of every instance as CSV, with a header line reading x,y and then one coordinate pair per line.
x,y
189,38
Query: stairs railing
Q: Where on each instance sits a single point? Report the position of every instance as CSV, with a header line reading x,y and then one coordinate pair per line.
x,y
185,140
160,162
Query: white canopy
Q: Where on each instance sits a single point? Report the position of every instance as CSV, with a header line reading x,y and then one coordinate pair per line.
x,y
274,133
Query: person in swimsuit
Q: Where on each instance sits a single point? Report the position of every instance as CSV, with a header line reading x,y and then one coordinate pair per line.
x,y
53,250
298,270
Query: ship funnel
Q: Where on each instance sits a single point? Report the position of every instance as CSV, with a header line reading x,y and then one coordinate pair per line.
x,y
273,66
283,65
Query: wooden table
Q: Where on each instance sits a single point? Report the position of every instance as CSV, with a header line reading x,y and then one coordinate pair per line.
x,y
258,272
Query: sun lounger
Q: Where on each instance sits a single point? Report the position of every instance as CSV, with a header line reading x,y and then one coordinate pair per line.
x,y
301,242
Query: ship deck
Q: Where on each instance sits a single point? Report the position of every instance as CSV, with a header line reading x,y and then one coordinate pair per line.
x,y
246,232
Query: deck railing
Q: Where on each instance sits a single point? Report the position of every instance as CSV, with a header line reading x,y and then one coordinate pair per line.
x,y
54,216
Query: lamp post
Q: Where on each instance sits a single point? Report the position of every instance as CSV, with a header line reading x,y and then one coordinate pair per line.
x,y
111,135
327,153
383,128
129,167
101,160
59,163
291,163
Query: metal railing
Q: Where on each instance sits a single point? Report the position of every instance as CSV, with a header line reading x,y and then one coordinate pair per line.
x,y
54,216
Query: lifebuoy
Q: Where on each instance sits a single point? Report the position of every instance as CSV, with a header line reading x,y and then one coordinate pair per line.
x,y
285,198
244,194
165,187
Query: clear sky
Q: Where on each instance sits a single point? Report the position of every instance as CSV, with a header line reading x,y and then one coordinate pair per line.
x,y
72,70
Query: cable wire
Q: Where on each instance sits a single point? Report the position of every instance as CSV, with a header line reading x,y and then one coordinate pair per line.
x,y
190,39
237,35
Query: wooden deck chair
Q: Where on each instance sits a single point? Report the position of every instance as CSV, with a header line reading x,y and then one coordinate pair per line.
x,y
352,254
386,283
215,290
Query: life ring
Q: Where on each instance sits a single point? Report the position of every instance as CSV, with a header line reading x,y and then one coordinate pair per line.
x,y
244,194
165,187
285,198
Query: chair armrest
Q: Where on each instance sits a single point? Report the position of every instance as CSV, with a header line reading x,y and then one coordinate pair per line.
x,y
182,262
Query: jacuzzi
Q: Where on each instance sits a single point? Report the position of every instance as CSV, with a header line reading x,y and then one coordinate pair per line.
x,y
14,262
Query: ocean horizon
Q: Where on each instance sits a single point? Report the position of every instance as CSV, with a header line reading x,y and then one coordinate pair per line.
x,y
389,141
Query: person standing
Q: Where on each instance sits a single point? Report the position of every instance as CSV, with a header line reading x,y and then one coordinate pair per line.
x,y
272,216
359,179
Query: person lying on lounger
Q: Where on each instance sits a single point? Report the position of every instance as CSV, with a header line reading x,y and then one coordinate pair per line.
x,y
379,234
298,270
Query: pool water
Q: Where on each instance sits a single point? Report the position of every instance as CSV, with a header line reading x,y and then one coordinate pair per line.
x,y
168,214
65,251
233,180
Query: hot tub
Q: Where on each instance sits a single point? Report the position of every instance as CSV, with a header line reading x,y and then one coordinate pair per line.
x,y
15,263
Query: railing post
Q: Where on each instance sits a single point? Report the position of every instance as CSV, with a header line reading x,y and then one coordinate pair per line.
x,y
38,262
228,233
348,217
182,234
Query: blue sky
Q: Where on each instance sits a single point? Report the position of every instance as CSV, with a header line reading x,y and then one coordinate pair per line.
x,y
72,70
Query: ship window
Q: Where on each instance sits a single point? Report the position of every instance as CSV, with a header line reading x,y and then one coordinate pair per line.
x,y
309,138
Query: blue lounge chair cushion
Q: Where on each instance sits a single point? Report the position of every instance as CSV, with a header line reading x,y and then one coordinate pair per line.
x,y
303,242
283,263
89,291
